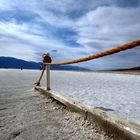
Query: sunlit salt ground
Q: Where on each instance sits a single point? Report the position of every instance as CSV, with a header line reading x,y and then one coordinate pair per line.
x,y
116,93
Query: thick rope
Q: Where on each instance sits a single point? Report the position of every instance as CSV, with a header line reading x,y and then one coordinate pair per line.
x,y
126,46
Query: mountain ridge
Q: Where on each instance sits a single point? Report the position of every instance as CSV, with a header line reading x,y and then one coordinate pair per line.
x,y
15,63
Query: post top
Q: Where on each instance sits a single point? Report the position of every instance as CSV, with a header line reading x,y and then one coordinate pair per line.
x,y
47,58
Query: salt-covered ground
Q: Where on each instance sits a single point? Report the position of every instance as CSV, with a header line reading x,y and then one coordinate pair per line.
x,y
116,93
27,115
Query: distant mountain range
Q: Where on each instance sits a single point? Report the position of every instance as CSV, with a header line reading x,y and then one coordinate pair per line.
x,y
14,63
135,68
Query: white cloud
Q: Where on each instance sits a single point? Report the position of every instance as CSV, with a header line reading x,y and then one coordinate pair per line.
x,y
19,42
110,24
100,25
107,27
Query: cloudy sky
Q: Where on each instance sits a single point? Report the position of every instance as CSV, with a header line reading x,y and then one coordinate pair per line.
x,y
70,29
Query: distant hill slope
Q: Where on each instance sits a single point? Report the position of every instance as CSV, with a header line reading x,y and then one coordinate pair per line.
x,y
10,62
135,68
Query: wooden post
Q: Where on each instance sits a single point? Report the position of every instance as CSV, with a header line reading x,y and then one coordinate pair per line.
x,y
48,77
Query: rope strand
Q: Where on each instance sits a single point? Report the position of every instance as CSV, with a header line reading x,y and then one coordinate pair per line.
x,y
126,46
123,47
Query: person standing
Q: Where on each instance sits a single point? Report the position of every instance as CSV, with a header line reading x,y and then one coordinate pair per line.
x,y
40,67
21,67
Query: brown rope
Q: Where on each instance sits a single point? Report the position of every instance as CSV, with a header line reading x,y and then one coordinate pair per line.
x,y
126,46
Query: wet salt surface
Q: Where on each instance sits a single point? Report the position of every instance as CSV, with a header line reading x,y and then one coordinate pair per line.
x,y
116,93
